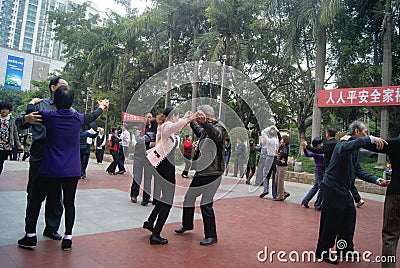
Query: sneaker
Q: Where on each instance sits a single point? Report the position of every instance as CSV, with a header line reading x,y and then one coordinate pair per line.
x,y
66,244
360,203
28,242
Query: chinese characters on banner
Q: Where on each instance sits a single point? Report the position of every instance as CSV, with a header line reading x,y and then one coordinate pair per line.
x,y
131,118
369,96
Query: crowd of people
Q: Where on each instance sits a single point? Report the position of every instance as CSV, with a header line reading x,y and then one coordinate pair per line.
x,y
63,137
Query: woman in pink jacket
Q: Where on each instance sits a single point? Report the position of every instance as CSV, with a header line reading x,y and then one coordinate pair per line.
x,y
161,156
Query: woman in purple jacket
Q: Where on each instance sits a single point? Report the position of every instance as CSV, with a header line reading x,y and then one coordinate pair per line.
x,y
60,167
318,174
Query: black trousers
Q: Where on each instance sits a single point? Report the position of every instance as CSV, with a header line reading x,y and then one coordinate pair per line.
x,y
165,177
338,221
391,229
3,156
53,205
121,159
355,194
114,163
99,155
48,187
206,186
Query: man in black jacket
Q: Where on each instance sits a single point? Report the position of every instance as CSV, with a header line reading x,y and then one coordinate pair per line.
x,y
338,216
391,212
209,165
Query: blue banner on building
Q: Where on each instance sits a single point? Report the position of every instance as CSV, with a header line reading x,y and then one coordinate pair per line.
x,y
14,71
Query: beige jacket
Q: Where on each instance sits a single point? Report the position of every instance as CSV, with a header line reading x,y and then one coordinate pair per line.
x,y
165,141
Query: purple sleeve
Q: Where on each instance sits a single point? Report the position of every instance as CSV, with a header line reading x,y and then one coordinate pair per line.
x,y
311,154
45,116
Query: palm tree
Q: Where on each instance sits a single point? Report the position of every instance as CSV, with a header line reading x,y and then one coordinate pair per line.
x,y
386,70
226,41
316,16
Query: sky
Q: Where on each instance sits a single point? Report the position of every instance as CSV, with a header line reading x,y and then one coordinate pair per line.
x,y
109,4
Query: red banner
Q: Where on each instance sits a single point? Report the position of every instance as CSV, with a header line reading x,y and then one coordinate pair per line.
x,y
132,118
368,96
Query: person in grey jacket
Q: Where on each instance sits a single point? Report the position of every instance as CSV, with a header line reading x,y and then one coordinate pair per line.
x,y
239,158
209,165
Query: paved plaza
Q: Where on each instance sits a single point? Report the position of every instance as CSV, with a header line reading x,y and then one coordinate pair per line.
x,y
108,228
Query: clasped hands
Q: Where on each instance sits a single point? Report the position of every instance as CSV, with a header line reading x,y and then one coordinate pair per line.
x,y
199,116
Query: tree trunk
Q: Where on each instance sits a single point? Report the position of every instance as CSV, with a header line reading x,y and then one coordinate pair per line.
x,y
170,59
386,72
195,84
319,82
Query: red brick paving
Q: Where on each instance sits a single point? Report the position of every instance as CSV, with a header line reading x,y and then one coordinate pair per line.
x,y
245,226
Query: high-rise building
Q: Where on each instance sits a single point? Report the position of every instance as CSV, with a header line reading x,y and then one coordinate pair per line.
x,y
24,25
28,50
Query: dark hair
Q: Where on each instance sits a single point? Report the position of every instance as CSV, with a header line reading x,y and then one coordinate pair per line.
x,y
228,139
331,131
316,141
54,81
286,140
63,97
170,111
6,105
187,136
113,129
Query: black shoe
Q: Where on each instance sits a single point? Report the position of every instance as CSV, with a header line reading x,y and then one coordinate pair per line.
x,y
182,229
263,194
144,203
330,261
185,176
111,173
305,205
317,208
66,244
148,225
121,172
286,195
28,242
156,239
52,234
208,241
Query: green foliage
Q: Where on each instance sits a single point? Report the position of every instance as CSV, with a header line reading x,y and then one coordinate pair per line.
x,y
16,97
308,165
271,41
